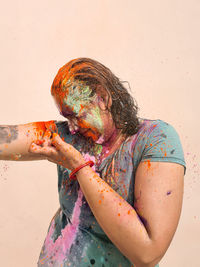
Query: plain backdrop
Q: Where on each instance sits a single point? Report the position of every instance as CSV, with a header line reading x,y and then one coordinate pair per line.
x,y
152,44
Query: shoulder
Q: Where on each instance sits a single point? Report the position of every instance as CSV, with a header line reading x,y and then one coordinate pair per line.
x,y
157,140
62,125
63,131
151,129
149,125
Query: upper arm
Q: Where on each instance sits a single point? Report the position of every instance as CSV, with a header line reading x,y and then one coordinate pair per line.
x,y
159,181
158,201
15,140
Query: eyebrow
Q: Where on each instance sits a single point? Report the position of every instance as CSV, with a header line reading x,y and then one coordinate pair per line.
x,y
66,111
68,114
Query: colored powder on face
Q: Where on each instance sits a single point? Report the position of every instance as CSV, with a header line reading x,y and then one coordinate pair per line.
x,y
74,95
95,118
77,95
66,78
91,121
78,100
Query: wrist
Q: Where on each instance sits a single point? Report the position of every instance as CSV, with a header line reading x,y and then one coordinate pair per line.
x,y
77,163
75,171
84,173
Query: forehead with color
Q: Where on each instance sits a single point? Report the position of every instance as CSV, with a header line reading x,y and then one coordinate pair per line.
x,y
77,96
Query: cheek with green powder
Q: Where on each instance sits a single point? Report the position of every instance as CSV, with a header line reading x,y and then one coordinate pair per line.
x,y
91,119
87,114
94,118
78,96
83,109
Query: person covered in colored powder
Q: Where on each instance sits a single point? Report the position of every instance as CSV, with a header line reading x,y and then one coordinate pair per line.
x,y
120,177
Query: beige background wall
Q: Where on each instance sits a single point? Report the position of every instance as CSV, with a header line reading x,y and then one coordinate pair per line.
x,y
152,44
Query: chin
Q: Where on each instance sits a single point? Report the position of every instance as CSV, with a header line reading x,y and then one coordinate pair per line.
x,y
100,140
72,131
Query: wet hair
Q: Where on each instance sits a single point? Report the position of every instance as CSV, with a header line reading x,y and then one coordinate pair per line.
x,y
124,108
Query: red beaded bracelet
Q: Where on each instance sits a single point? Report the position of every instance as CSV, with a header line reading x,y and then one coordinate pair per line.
x,y
72,174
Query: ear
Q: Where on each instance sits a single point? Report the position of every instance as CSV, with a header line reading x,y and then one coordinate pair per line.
x,y
104,97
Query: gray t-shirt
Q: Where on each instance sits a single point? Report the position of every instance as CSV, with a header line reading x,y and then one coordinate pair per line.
x,y
74,236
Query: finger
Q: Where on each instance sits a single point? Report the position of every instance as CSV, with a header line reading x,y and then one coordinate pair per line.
x,y
47,138
34,146
58,142
66,149
45,151
51,126
54,161
39,142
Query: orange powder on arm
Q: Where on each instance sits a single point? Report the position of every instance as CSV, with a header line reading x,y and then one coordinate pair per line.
x,y
41,127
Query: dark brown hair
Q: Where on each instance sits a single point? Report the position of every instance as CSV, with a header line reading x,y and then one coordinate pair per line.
x,y
124,108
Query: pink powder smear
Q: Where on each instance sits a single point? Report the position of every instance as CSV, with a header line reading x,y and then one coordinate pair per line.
x,y
59,249
88,157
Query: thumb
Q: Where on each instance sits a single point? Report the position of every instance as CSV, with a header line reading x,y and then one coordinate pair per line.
x,y
57,141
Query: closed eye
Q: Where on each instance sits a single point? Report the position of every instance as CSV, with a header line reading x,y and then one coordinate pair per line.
x,y
81,116
69,116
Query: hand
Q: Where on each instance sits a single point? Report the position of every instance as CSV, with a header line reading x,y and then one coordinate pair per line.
x,y
57,151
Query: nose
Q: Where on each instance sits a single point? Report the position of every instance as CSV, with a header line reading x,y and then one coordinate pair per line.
x,y
73,126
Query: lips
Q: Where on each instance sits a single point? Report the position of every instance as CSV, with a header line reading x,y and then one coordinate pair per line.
x,y
83,132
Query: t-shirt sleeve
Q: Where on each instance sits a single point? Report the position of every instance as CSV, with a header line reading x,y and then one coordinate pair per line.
x,y
62,126
163,144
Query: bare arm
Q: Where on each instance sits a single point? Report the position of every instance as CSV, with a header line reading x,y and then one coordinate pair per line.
x,y
143,232
15,140
159,193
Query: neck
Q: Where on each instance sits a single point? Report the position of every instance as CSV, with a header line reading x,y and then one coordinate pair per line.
x,y
112,143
